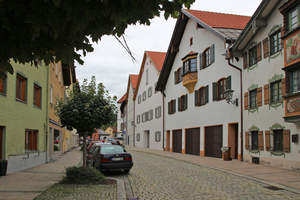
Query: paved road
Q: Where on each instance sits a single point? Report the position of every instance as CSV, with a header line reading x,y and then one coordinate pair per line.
x,y
158,177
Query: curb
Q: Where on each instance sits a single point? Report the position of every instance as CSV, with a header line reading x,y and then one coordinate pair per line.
x,y
121,193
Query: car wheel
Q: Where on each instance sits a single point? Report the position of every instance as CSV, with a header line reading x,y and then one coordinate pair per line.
x,y
126,171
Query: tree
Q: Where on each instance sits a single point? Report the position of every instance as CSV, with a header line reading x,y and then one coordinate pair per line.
x,y
86,109
34,30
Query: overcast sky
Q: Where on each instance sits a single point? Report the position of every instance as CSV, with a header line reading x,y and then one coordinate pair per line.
x,y
111,64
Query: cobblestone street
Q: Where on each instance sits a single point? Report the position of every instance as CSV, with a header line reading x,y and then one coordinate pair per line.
x,y
158,177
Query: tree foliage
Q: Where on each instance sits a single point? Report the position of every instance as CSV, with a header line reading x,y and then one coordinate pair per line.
x,y
41,29
87,108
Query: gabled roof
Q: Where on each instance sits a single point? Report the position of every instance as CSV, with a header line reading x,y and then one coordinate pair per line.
x,y
122,98
131,80
157,58
257,21
225,26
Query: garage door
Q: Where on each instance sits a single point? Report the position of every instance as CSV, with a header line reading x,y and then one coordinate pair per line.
x,y
192,139
213,141
177,141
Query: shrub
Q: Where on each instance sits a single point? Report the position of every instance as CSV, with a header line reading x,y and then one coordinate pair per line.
x,y
80,175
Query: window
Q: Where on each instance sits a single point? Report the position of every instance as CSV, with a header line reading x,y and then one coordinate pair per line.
x,y
144,95
138,118
139,99
253,99
138,137
275,42
219,88
190,65
157,136
3,83
178,75
201,96
295,81
278,140
51,93
37,96
191,41
59,76
158,112
252,56
172,106
155,91
294,18
254,140
150,91
147,74
56,67
145,116
183,102
207,57
31,140
150,115
122,126
276,91
21,88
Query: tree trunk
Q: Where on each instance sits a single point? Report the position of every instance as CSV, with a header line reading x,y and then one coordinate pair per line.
x,y
84,150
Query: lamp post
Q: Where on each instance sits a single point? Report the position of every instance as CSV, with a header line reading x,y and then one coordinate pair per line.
x,y
228,95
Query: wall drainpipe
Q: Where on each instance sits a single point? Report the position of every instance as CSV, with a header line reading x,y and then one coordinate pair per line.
x,y
241,104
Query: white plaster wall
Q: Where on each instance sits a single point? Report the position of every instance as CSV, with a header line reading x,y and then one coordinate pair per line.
x,y
214,112
130,116
119,120
266,117
156,124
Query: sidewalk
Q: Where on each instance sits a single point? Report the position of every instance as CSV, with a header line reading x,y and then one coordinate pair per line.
x,y
273,176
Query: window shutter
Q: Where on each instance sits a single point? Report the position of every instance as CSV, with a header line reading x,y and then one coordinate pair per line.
x,y
266,94
286,141
266,47
247,140
175,77
179,108
258,51
267,140
282,31
212,53
201,60
206,94
168,107
186,102
259,96
196,97
181,73
23,90
174,106
246,106
214,91
283,87
260,140
245,60
228,82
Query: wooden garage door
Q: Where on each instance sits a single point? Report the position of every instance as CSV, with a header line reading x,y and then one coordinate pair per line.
x,y
192,139
213,141
177,141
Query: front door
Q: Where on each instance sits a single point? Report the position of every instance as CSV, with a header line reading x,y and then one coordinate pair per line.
x,y
168,141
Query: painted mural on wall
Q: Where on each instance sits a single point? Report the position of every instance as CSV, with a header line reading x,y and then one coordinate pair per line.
x,y
293,49
293,105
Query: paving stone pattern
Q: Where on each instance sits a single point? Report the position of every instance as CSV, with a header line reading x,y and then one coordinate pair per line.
x,y
158,177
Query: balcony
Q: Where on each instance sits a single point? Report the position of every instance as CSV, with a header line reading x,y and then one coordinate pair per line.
x,y
189,81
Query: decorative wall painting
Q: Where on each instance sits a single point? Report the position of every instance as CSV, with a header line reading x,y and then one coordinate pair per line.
x,y
293,49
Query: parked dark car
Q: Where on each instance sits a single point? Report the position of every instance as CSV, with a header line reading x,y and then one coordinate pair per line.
x,y
113,141
107,157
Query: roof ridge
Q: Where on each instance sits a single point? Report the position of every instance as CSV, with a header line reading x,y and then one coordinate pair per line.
x,y
217,12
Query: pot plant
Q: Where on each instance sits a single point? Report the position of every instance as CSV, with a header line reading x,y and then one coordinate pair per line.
x,y
3,167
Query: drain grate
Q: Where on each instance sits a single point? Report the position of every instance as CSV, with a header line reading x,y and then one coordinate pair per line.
x,y
273,187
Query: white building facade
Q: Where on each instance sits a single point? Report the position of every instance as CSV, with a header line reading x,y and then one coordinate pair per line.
x,y
149,103
194,76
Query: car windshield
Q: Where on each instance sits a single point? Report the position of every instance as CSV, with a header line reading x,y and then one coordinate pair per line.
x,y
112,149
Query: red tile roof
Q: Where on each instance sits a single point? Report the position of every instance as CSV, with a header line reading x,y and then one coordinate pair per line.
x,y
221,20
158,58
122,99
134,79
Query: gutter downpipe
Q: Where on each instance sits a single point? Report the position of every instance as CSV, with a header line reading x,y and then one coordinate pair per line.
x,y
241,104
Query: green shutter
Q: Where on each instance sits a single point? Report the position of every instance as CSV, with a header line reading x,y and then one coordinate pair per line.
x,y
228,82
175,77
168,107
212,53
196,97
201,60
174,106
186,102
214,91
178,104
181,73
206,94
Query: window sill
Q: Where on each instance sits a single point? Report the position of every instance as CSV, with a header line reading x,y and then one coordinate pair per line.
x,y
3,94
291,95
37,106
19,100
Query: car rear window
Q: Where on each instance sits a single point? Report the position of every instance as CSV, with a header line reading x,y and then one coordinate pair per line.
x,y
112,149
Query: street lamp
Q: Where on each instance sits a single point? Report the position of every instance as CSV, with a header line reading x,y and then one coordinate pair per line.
x,y
228,95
